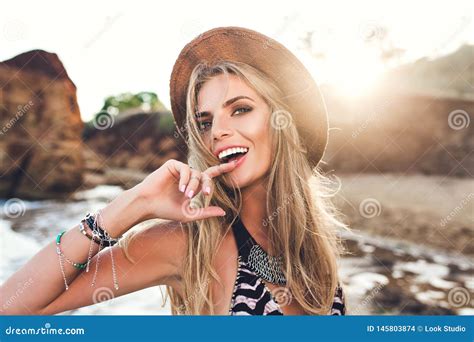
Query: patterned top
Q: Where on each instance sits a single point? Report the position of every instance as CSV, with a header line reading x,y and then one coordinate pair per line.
x,y
251,295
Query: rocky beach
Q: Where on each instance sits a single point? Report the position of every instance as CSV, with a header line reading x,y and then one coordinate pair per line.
x,y
401,163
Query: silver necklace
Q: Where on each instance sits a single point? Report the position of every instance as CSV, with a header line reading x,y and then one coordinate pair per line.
x,y
268,267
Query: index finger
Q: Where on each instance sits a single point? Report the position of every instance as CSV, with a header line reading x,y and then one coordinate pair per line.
x,y
217,170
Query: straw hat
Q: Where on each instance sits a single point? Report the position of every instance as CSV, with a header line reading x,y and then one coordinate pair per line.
x,y
301,93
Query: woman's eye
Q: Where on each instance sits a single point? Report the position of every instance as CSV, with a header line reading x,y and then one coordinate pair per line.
x,y
204,126
242,110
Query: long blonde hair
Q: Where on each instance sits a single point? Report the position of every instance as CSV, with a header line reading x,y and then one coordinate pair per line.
x,y
302,221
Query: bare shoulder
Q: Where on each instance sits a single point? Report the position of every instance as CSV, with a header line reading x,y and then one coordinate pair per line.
x,y
164,243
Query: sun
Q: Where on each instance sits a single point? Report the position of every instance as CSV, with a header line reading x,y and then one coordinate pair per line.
x,y
352,72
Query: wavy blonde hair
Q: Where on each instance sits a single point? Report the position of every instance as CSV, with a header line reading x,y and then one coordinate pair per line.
x,y
302,222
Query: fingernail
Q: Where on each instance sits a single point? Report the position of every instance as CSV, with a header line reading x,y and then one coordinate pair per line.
x,y
182,187
190,194
207,190
223,213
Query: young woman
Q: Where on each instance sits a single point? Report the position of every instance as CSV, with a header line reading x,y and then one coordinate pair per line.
x,y
245,227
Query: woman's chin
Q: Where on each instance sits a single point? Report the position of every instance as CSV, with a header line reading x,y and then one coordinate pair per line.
x,y
238,180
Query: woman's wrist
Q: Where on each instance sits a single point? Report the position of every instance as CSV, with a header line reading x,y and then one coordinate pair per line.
x,y
125,211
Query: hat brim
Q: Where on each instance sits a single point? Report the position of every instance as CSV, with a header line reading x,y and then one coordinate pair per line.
x,y
300,92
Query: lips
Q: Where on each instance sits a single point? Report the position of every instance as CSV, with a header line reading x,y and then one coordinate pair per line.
x,y
241,159
219,150
236,157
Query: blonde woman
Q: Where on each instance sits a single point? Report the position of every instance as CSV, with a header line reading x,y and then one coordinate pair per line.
x,y
244,228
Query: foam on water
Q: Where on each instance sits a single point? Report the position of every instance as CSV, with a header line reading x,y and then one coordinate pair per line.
x,y
16,248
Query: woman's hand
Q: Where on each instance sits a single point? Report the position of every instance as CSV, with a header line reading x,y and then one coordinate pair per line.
x,y
168,191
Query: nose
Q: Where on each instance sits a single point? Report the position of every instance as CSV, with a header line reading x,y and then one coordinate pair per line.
x,y
220,128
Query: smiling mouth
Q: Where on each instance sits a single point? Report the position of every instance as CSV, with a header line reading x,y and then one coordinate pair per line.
x,y
233,156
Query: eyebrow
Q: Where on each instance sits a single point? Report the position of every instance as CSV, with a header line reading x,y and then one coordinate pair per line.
x,y
224,105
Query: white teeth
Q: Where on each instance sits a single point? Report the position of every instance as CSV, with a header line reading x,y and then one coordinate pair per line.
x,y
233,150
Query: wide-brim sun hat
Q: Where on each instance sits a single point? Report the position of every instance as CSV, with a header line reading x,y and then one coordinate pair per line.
x,y
301,94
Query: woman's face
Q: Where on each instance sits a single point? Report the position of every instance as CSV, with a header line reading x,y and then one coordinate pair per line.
x,y
231,114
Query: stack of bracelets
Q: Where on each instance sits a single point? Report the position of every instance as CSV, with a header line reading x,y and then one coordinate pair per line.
x,y
97,234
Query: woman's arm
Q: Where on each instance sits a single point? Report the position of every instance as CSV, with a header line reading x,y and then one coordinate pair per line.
x,y
165,194
43,273
156,256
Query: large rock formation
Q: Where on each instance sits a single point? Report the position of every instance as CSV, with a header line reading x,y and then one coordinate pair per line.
x,y
40,128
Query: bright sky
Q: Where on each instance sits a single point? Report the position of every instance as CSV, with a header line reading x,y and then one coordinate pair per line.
x,y
110,47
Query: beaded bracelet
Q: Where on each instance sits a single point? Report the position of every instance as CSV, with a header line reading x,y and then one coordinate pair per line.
x,y
101,237
77,265
105,238
62,257
83,230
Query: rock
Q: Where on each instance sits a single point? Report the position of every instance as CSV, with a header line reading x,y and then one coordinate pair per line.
x,y
391,131
434,211
136,142
40,128
397,300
